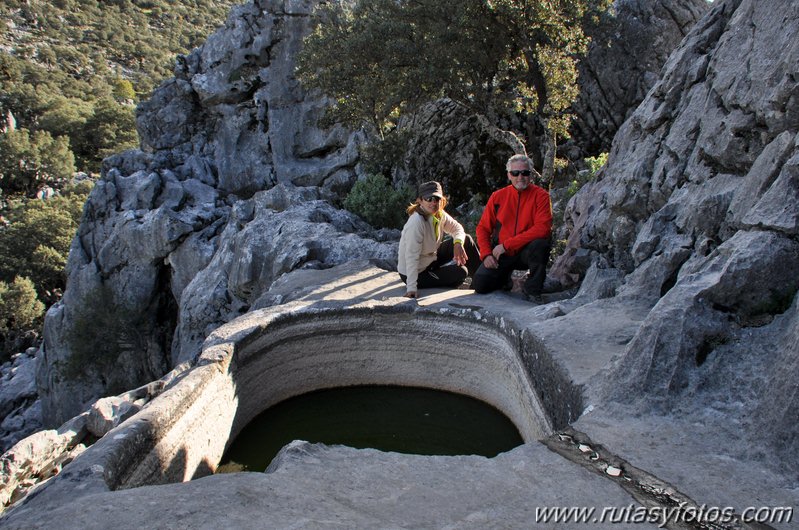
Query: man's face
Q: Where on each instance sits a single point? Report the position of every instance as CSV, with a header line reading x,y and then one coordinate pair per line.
x,y
519,175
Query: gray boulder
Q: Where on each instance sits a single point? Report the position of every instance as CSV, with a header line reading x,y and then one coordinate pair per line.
x,y
697,209
20,408
235,117
277,231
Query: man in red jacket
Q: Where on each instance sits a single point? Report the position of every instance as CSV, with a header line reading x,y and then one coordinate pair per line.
x,y
514,232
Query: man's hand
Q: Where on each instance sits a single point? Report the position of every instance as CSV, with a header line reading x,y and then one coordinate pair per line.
x,y
498,251
490,262
459,254
410,294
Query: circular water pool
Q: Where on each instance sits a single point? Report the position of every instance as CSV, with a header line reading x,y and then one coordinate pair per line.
x,y
266,358
389,418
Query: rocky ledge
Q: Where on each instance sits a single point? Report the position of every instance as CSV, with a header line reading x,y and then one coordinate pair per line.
x,y
607,457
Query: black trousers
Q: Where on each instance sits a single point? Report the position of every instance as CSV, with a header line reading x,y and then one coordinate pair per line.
x,y
533,257
442,273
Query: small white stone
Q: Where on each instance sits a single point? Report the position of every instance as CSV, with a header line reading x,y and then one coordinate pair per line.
x,y
584,448
613,471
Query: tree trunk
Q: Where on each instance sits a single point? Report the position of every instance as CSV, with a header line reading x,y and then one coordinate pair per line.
x,y
551,147
508,138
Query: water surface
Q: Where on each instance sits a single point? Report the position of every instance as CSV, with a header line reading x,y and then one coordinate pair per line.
x,y
390,418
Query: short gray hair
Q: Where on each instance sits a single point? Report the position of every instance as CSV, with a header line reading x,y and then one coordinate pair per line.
x,y
519,158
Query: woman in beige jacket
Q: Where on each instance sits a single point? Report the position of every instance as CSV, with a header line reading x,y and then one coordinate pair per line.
x,y
426,259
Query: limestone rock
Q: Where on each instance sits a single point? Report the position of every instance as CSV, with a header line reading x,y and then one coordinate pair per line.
x,y
449,144
317,486
235,117
41,454
277,231
20,423
697,207
153,241
20,409
107,413
624,61
17,381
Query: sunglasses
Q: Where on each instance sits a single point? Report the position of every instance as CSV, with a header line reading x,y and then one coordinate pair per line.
x,y
431,199
516,172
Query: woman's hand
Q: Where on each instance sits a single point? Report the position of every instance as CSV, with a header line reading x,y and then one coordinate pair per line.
x,y
410,294
459,255
490,262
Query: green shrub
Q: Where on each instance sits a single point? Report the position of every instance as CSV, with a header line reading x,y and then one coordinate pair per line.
x,y
594,164
36,241
123,90
375,201
20,309
109,130
29,160
20,312
384,155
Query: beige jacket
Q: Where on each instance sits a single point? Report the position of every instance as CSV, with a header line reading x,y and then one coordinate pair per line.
x,y
419,242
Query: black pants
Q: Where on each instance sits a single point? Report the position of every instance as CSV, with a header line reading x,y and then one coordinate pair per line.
x,y
533,257
441,273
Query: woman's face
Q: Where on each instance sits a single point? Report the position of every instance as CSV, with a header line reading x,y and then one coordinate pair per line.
x,y
430,206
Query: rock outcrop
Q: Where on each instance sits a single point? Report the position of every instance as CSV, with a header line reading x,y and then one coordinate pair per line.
x,y
697,210
624,61
180,236
20,408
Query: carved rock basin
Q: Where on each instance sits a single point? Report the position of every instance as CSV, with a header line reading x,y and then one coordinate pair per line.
x,y
270,355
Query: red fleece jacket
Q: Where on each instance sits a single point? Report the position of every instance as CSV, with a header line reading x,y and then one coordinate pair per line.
x,y
521,216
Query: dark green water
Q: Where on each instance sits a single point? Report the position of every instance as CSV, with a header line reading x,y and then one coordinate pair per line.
x,y
390,418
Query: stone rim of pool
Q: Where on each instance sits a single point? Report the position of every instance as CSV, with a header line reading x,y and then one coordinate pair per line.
x,y
269,355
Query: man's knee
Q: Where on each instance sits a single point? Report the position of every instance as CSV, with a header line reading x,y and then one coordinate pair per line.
x,y
538,251
482,281
540,245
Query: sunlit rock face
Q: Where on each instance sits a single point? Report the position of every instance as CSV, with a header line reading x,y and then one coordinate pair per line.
x,y
231,189
697,209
